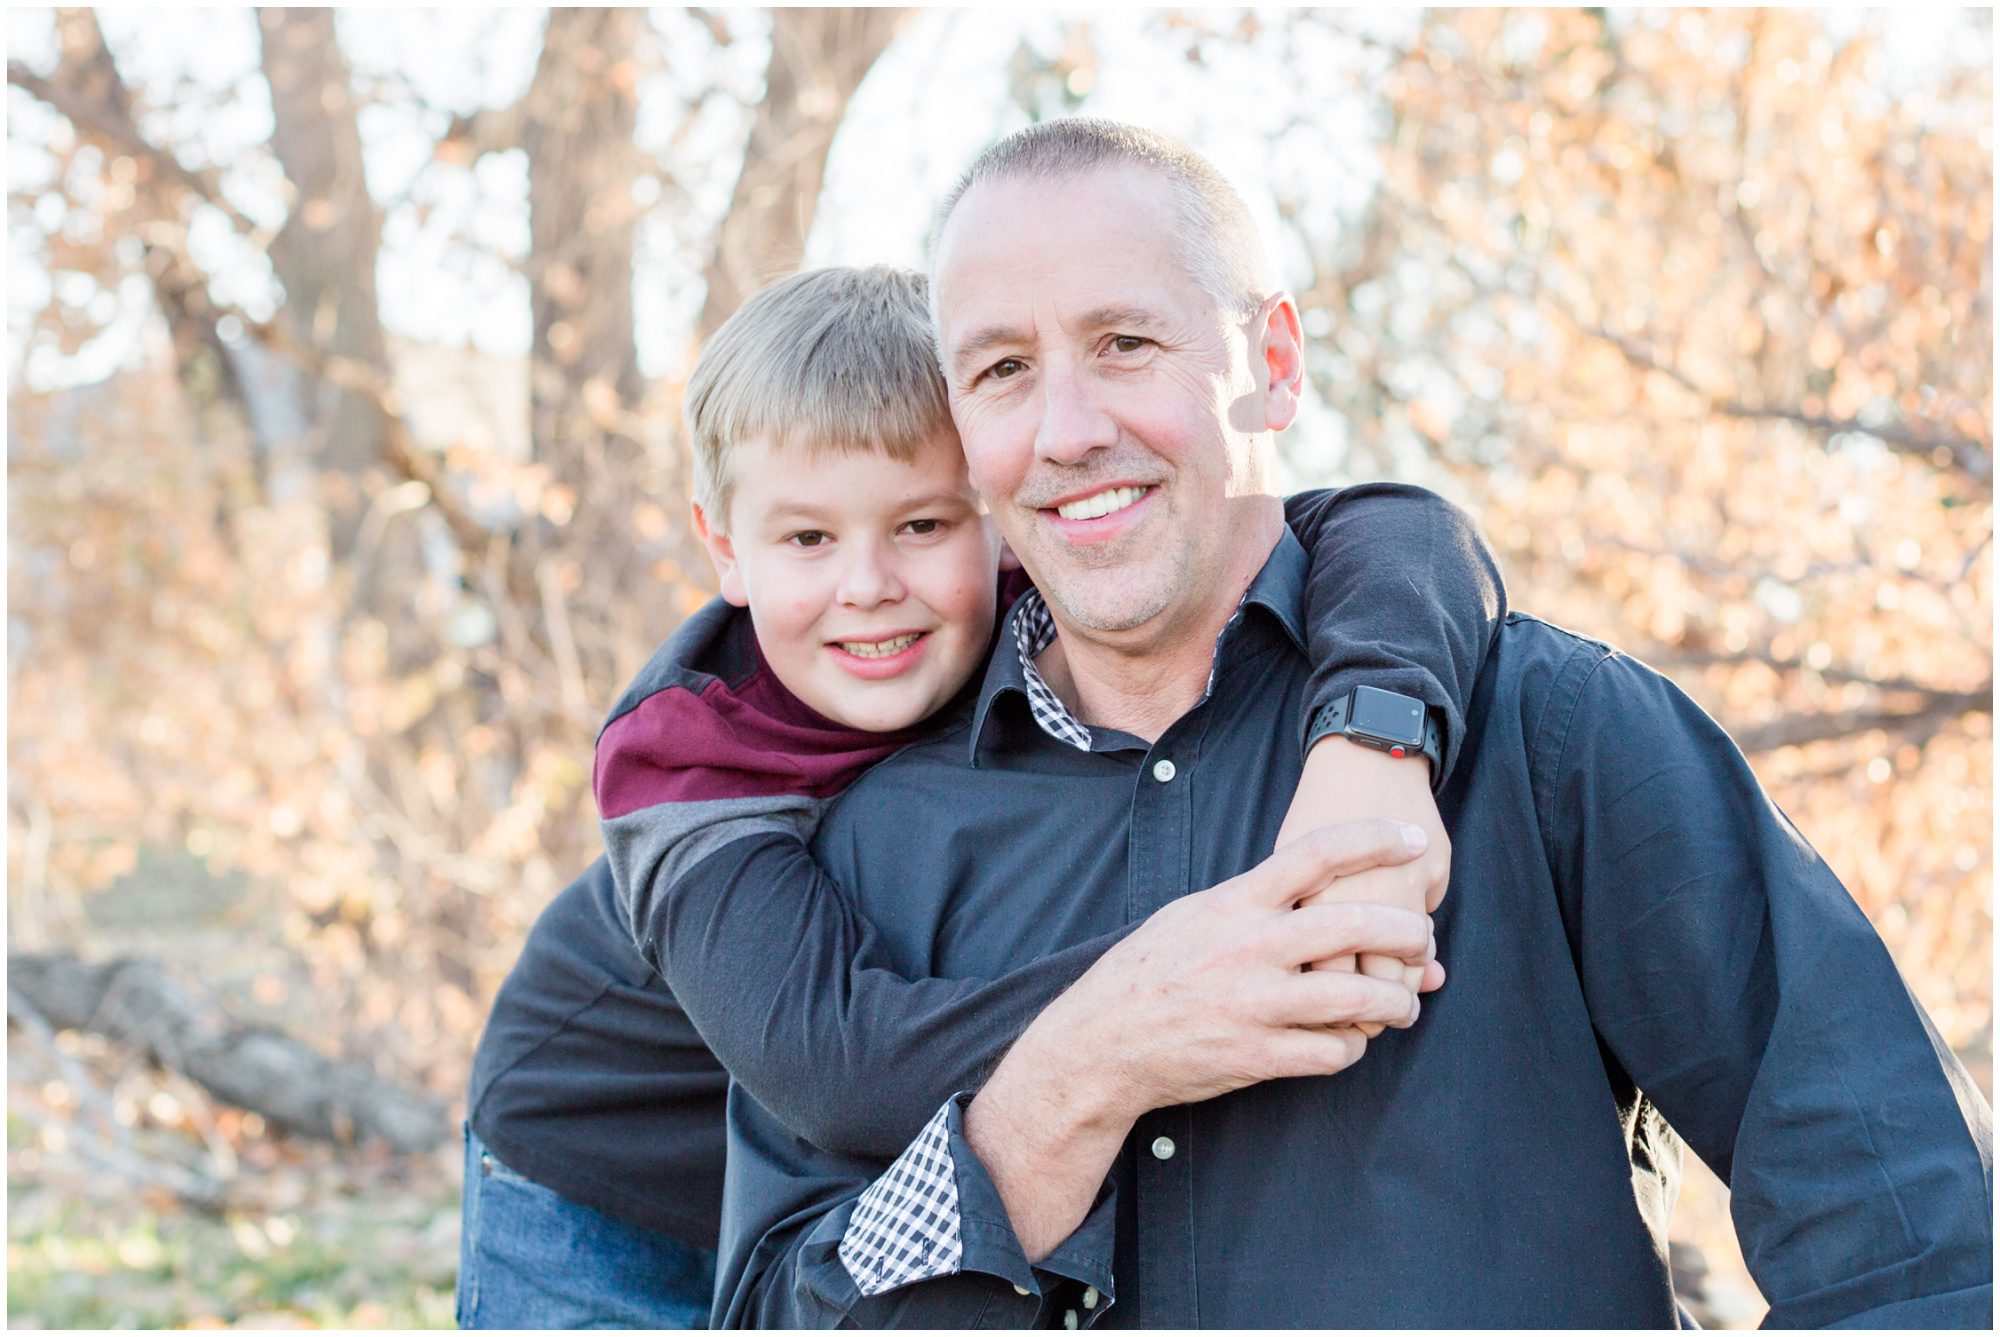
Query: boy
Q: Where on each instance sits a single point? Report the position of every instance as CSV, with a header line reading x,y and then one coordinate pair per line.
x,y
834,500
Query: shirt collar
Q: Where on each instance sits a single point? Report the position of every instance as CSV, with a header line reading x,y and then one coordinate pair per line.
x,y
1030,628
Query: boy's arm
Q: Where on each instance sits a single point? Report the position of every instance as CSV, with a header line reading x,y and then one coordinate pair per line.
x,y
1404,595
708,805
790,987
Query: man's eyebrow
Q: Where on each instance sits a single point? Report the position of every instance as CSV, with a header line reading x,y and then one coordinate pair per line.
x,y
984,339
1130,317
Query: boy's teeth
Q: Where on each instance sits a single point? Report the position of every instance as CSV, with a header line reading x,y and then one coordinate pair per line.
x,y
1103,503
895,645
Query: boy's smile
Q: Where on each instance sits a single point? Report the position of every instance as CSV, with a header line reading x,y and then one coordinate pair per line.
x,y
870,581
882,658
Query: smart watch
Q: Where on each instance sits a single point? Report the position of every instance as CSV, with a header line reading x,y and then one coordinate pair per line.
x,y
1386,721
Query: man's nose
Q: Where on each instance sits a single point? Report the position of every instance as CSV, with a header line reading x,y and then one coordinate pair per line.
x,y
1074,422
870,576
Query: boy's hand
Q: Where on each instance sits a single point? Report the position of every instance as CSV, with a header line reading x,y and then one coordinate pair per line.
x,y
1343,781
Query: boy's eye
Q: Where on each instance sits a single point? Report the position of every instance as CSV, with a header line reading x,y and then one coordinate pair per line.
x,y
808,538
924,526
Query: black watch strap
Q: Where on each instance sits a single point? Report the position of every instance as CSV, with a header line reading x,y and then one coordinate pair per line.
x,y
1332,718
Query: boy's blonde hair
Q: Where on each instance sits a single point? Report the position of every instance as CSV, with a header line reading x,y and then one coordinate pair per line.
x,y
832,359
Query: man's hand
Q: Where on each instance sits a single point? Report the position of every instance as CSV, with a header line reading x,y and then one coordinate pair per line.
x,y
1343,780
1209,995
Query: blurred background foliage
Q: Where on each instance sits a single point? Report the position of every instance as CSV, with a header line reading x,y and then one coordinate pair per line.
x,y
347,486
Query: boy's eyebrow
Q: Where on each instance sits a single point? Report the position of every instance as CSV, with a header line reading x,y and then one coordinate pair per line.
x,y
940,499
792,507
799,508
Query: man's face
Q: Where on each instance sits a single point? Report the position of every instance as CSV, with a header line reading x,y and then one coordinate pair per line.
x,y
871,582
1110,412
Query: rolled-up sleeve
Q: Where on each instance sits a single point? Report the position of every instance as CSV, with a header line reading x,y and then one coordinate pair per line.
x,y
816,1240
1403,594
1743,992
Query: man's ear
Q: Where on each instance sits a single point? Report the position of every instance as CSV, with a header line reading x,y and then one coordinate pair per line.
x,y
1280,342
722,552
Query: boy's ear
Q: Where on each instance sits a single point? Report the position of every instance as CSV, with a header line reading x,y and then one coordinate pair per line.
x,y
722,552
1280,348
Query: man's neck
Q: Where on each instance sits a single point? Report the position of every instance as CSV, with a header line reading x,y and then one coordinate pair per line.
x,y
1140,684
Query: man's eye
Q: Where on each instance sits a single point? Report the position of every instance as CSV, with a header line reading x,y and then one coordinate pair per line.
x,y
808,538
1006,368
1128,343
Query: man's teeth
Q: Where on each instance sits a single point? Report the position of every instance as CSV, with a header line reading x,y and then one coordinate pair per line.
x,y
1103,503
895,645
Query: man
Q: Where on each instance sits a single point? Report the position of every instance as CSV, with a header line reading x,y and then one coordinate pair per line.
x,y
1637,936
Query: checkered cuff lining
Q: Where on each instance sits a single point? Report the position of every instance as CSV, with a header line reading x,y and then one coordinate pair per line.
x,y
905,1228
1034,632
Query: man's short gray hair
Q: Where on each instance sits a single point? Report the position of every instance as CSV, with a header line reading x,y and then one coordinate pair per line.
x,y
832,359
1213,230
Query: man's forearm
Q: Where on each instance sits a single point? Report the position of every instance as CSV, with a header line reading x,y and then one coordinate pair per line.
x,y
1047,1137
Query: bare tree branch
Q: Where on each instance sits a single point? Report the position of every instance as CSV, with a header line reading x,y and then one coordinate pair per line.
x,y
1669,657
718,30
133,1001
1793,730
1972,457
115,1152
112,125
818,59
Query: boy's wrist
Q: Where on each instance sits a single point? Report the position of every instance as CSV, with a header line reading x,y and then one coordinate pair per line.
x,y
1382,721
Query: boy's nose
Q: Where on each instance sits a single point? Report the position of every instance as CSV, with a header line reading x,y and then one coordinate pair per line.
x,y
870,578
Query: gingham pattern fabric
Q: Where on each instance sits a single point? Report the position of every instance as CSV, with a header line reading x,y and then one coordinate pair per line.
x,y
1034,632
905,1228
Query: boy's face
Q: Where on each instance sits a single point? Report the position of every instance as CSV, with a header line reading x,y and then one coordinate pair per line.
x,y
870,581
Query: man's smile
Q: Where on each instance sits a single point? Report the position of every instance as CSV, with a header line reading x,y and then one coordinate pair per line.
x,y
1100,503
1102,514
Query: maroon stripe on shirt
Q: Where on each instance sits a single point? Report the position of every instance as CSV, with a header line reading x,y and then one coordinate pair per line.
x,y
755,740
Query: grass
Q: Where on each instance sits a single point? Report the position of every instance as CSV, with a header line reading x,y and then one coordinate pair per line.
x,y
357,1264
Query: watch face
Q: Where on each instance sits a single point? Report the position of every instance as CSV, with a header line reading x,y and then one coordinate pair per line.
x,y
1390,716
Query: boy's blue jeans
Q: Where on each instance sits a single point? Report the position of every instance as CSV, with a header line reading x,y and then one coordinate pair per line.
x,y
530,1258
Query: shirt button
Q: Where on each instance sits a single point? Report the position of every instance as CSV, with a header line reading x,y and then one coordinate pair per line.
x,y
1163,770
1163,1148
1069,1319
1022,1290
1090,1297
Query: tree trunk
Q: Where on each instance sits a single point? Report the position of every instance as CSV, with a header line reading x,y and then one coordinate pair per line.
x,y
325,255
818,59
577,125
